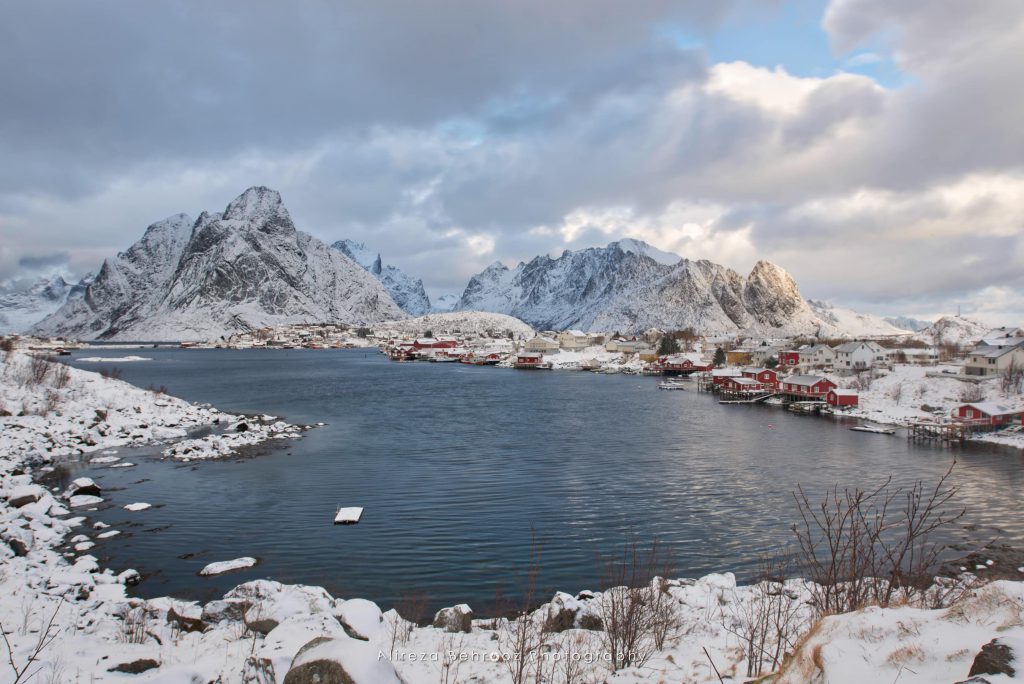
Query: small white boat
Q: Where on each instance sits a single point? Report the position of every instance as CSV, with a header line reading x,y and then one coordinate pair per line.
x,y
877,429
348,516
671,386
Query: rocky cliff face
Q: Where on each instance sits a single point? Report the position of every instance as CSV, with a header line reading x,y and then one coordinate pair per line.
x,y
227,272
408,292
630,286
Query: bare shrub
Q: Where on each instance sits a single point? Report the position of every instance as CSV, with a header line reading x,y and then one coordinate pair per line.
x,y
1011,380
162,389
38,368
6,344
61,376
867,547
769,622
51,402
47,634
971,393
636,609
113,373
410,611
257,670
132,629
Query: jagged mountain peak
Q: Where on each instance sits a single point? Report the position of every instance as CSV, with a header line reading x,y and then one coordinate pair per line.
x,y
258,203
408,292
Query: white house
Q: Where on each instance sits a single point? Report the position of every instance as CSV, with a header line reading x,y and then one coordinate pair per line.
x,y
993,360
856,355
817,355
541,345
573,340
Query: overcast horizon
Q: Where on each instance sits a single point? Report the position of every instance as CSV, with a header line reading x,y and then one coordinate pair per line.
x,y
872,149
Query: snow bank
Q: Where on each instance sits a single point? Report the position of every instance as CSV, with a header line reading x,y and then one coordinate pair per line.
x,y
113,359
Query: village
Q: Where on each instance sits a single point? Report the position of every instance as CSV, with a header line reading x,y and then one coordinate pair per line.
x,y
936,389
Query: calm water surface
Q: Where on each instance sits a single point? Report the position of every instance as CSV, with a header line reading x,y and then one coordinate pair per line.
x,y
456,464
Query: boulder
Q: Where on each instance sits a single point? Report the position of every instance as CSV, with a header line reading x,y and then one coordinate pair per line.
x,y
184,622
340,661
561,613
226,609
993,659
82,486
136,666
361,619
455,619
25,495
273,602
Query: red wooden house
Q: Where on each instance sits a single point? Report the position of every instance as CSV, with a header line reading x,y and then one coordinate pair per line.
x,y
842,397
683,364
766,376
433,343
789,358
989,413
720,375
743,386
807,386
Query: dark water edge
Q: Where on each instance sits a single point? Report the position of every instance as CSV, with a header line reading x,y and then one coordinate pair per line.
x,y
458,466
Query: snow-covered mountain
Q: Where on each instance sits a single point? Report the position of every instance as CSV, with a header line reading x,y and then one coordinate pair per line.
x,y
854,323
953,330
227,272
21,307
407,291
624,287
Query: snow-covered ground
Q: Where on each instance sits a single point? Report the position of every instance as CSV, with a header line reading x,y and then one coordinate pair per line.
x,y
68,411
910,393
477,322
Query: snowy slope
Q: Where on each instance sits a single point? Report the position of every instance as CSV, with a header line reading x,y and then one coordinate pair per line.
x,y
624,287
478,322
854,323
952,330
407,291
907,323
224,273
20,307
444,303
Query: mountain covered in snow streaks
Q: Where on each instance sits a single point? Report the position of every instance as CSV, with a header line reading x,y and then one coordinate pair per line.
x,y
235,271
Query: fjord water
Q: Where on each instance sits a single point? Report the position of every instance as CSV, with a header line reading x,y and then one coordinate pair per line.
x,y
455,465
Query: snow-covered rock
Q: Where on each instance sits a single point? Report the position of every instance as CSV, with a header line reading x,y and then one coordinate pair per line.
x,y
407,291
362,619
340,660
242,269
444,303
455,619
220,567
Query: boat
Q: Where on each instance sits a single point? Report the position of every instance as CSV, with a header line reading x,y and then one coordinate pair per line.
x,y
444,359
670,385
348,516
876,429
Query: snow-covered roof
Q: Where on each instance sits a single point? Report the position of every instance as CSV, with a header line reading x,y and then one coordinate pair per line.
x,y
805,379
994,352
840,392
726,372
991,408
744,381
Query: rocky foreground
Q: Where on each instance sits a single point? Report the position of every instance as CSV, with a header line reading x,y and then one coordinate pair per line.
x,y
66,619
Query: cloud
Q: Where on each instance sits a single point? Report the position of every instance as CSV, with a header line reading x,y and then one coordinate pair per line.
x,y
479,131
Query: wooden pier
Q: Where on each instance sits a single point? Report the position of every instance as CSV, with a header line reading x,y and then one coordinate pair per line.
x,y
942,432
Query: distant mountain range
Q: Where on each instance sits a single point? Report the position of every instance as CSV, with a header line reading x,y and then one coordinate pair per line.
x,y
249,267
234,271
21,306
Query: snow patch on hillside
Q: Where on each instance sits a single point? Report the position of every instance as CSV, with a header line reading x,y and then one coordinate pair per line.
x,y
475,322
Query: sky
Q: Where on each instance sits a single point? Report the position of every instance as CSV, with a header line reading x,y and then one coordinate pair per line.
x,y
874,149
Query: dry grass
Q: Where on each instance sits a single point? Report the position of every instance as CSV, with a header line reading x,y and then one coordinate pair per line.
x,y
906,655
